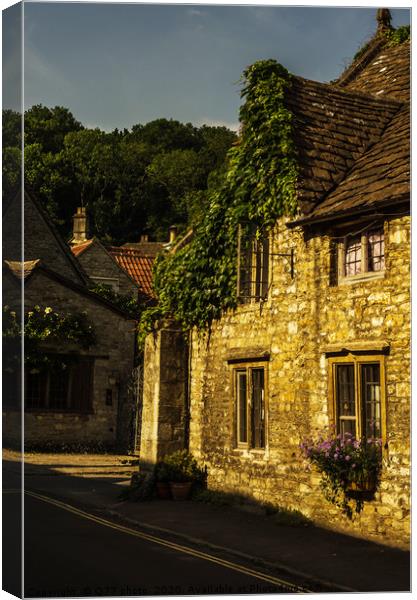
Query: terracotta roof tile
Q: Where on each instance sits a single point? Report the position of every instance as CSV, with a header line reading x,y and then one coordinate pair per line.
x,y
79,248
138,266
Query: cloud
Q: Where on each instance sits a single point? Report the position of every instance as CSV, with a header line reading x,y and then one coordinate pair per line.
x,y
193,12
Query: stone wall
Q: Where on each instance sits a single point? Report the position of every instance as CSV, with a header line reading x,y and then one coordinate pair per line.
x,y
40,241
96,262
164,411
113,363
302,318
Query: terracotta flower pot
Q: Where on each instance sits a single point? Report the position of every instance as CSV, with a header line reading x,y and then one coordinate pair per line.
x,y
163,490
180,490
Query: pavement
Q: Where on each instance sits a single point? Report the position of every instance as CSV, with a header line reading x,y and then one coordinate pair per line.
x,y
329,560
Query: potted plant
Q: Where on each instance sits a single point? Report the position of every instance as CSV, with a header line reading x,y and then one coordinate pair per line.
x,y
162,477
346,465
183,472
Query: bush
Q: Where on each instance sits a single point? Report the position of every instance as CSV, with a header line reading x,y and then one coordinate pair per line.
x,y
180,466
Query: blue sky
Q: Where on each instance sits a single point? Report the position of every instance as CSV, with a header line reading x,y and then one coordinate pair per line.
x,y
114,65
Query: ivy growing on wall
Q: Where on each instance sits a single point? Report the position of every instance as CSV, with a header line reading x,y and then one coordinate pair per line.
x,y
198,282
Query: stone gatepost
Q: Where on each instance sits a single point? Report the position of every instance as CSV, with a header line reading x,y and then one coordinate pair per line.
x,y
165,395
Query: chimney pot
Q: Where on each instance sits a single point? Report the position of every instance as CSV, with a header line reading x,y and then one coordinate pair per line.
x,y
144,237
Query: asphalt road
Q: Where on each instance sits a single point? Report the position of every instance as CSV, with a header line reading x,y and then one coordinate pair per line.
x,y
69,552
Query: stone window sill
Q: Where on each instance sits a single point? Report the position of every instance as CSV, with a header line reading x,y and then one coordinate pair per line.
x,y
361,278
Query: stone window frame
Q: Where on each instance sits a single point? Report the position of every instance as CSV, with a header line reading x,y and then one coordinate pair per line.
x,y
365,273
358,359
247,367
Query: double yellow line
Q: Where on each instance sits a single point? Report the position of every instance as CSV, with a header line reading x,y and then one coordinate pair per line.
x,y
172,545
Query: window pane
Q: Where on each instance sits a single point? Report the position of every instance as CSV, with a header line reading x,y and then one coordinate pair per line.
x,y
371,400
242,425
245,268
35,389
58,388
345,398
353,256
258,409
376,251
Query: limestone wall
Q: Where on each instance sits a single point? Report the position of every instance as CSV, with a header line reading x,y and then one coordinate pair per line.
x,y
96,262
301,318
113,363
164,412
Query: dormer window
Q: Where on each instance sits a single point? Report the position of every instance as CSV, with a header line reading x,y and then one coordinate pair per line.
x,y
362,255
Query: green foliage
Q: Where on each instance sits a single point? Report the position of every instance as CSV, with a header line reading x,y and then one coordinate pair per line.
x,y
131,182
343,460
398,36
126,303
394,37
197,283
46,325
180,466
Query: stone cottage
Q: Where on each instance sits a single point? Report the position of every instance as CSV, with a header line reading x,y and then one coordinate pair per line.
x,y
127,269
321,335
86,401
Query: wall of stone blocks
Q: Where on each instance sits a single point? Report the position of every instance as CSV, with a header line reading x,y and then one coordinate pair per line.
x,y
113,357
164,412
300,318
96,262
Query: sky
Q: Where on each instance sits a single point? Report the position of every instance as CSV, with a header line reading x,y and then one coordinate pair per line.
x,y
116,65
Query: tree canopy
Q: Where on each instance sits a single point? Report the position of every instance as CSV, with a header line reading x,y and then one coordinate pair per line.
x,y
133,181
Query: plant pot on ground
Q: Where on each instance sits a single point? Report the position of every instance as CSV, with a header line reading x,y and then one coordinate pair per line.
x,y
182,471
180,490
162,476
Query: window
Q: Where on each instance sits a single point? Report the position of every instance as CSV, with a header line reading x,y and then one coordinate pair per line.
x,y
110,282
250,411
357,384
362,254
253,266
61,388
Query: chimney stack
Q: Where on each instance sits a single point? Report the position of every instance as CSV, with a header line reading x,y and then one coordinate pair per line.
x,y
173,231
80,226
383,18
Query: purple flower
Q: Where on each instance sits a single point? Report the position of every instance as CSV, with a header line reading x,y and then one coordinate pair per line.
x,y
347,457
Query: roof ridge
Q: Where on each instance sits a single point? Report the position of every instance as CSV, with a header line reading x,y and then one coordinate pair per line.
x,y
373,47
333,88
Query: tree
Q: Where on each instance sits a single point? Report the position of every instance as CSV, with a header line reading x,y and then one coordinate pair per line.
x,y
49,126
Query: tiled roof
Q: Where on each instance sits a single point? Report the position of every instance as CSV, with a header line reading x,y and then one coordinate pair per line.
x,y
22,269
145,248
78,249
380,175
386,75
333,128
353,136
136,265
